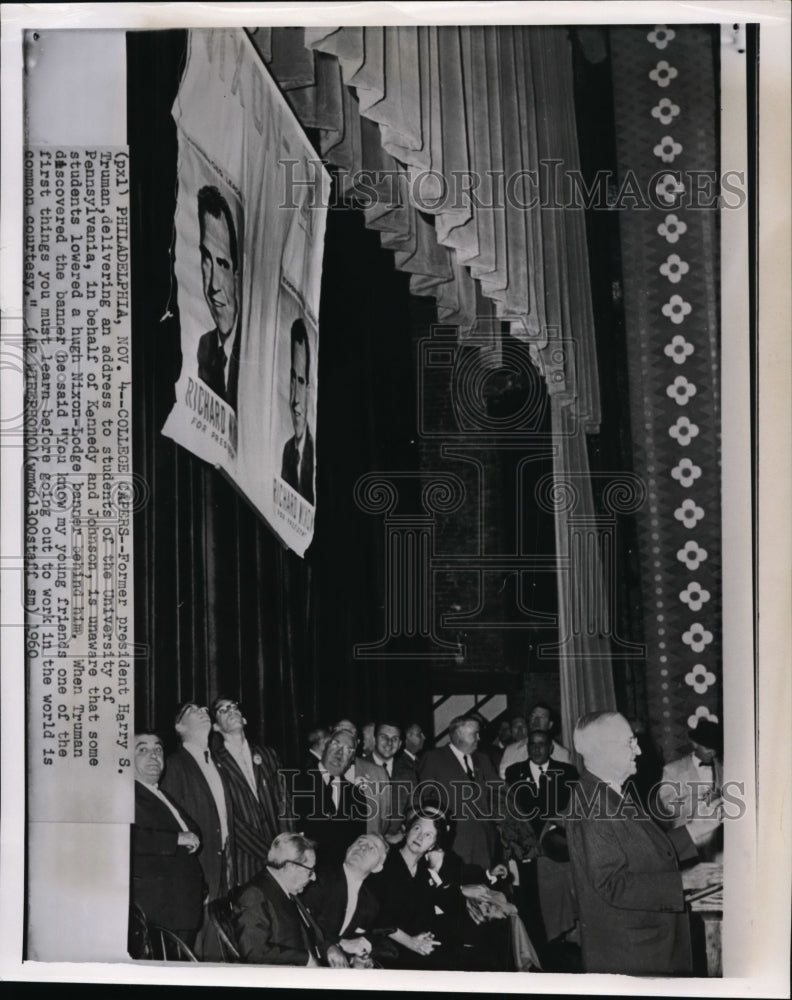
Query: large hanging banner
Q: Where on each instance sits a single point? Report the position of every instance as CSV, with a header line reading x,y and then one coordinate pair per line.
x,y
250,221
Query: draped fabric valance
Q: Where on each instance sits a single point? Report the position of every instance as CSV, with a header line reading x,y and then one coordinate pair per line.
x,y
457,142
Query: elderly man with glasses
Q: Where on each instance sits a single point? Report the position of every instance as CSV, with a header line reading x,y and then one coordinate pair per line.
x,y
260,803
273,926
629,889
336,801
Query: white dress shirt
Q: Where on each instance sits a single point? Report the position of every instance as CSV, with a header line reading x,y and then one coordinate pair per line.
x,y
154,789
244,758
464,759
203,759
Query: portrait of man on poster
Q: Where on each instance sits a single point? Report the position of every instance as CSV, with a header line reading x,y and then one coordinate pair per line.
x,y
218,349
297,467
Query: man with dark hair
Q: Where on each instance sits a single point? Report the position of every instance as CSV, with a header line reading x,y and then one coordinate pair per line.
x,y
259,797
539,789
167,880
218,349
196,783
414,740
400,781
540,717
691,786
297,468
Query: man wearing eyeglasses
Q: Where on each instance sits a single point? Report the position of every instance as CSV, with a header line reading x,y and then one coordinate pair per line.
x,y
273,926
260,803
628,885
333,801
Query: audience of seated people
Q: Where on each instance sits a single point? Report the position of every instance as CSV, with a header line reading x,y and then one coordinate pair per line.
x,y
405,859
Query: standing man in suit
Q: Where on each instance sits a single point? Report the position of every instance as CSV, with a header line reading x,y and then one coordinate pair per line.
x,y
465,785
195,783
400,781
167,881
540,717
342,904
414,740
273,926
218,350
297,468
539,789
317,741
260,803
627,880
691,786
333,809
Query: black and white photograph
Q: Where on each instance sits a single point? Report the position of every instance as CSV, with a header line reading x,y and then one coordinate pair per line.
x,y
395,546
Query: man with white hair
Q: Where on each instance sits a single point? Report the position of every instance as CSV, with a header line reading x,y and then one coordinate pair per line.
x,y
627,880
274,927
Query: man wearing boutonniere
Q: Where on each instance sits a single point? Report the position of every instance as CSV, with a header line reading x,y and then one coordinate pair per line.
x,y
260,800
334,800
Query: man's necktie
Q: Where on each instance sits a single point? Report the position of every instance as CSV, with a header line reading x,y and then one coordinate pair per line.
x,y
335,791
312,934
220,361
708,771
206,756
469,767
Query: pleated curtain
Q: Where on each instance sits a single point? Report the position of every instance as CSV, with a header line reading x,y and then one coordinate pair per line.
x,y
459,143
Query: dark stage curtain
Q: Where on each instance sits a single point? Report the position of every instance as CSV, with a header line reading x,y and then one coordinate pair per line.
x,y
221,605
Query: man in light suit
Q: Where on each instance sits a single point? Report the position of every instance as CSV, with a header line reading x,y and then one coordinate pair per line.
x,y
400,778
625,869
167,881
219,349
463,782
259,798
297,467
691,786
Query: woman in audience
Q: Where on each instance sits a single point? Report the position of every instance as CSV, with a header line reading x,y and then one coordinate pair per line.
x,y
419,893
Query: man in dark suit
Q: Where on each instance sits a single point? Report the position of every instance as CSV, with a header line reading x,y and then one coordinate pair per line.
x,y
272,926
627,880
297,468
167,881
260,804
414,740
219,349
343,905
334,810
538,789
196,783
465,785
